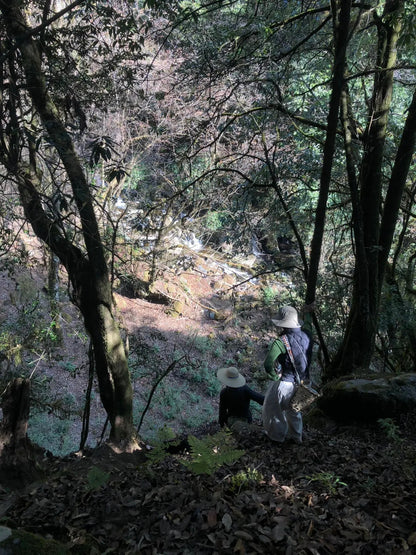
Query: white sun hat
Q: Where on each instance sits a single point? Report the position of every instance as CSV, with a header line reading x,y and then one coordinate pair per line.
x,y
231,376
287,317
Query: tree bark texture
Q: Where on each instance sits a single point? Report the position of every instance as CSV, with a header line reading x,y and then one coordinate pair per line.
x,y
396,187
88,271
15,404
341,14
372,240
18,456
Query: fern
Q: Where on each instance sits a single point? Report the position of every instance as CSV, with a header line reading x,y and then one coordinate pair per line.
x,y
165,437
210,453
391,429
97,478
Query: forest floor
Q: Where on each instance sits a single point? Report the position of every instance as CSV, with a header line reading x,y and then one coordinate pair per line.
x,y
345,489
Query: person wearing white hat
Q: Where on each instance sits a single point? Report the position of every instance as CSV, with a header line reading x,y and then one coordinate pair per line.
x,y
280,421
235,397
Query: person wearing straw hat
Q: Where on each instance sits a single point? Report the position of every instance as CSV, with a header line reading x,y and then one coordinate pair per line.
x,y
235,397
280,421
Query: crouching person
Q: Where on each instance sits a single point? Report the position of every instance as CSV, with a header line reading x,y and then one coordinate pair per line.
x,y
235,397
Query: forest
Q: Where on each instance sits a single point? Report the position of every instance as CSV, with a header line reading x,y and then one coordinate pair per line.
x,y
172,172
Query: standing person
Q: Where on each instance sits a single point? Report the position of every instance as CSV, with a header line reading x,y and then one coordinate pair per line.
x,y
280,420
235,397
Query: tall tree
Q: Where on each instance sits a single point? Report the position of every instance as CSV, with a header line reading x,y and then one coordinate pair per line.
x,y
375,213
341,23
279,110
27,97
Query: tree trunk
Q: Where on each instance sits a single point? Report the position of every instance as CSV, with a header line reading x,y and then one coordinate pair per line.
x,y
357,348
396,188
88,272
341,14
15,405
20,460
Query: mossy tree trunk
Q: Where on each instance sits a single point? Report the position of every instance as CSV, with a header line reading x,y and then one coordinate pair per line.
x,y
373,234
87,268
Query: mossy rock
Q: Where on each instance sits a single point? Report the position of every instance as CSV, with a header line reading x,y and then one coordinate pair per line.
x,y
176,310
369,398
20,542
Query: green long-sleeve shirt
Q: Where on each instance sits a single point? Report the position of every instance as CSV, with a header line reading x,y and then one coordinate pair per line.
x,y
275,350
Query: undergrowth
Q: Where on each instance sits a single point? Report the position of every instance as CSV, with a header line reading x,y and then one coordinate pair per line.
x,y
204,456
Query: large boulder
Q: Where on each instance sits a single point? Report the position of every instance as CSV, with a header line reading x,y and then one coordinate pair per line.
x,y
369,398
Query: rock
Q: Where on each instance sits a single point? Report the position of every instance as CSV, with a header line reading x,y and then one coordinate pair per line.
x,y
20,542
369,398
176,310
178,306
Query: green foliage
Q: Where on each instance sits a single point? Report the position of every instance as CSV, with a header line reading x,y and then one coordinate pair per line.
x,y
212,452
245,479
408,34
97,478
69,367
172,402
136,370
138,181
202,375
218,351
27,331
215,221
328,480
165,436
51,431
202,343
70,400
198,416
50,333
391,429
10,348
194,398
269,295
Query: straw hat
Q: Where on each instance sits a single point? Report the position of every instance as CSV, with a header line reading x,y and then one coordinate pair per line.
x,y
287,317
231,377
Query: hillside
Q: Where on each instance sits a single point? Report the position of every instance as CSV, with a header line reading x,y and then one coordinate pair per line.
x,y
213,312
346,489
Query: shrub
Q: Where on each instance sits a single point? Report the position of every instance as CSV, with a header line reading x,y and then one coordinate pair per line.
x,y
245,479
391,429
52,433
97,478
212,452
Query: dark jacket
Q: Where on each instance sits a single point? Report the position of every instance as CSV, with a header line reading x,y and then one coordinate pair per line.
x,y
301,344
235,402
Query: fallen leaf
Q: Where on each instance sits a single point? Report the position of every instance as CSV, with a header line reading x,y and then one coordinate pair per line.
x,y
244,535
279,531
212,517
227,522
411,540
239,547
